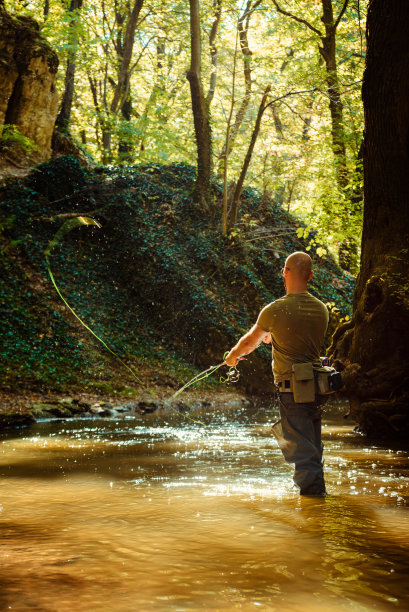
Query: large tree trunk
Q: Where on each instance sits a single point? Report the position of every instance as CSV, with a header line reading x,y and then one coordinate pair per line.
x,y
200,112
373,348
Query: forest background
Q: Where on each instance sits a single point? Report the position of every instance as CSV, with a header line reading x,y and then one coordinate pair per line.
x,y
297,66
209,140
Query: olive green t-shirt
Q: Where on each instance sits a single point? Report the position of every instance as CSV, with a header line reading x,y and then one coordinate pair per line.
x,y
297,322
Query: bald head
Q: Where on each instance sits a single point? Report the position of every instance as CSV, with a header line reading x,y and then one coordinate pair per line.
x,y
300,264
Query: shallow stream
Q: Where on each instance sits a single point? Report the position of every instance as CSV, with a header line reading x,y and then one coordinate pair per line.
x,y
156,512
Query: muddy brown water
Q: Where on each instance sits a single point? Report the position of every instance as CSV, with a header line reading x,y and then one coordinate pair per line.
x,y
159,513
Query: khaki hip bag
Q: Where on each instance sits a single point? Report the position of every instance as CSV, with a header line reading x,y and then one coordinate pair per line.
x,y
307,381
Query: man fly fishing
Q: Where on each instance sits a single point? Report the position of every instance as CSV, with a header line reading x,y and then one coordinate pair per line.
x,y
295,324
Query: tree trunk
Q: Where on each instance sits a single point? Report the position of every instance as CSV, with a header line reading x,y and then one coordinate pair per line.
x,y
200,112
243,28
125,144
120,98
328,52
247,159
120,90
372,350
63,119
217,10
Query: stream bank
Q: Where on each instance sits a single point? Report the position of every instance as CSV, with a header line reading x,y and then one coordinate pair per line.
x,y
158,282
22,411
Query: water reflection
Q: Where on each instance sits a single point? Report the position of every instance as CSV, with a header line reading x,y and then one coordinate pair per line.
x,y
157,513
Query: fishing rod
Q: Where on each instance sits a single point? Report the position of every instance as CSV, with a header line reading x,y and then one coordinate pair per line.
x,y
232,374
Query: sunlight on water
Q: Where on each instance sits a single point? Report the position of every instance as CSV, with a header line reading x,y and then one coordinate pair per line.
x,y
157,513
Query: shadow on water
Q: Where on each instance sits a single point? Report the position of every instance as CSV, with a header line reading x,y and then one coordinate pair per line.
x,y
156,513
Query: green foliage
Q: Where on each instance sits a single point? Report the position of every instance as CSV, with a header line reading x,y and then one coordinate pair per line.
x,y
11,137
293,160
158,282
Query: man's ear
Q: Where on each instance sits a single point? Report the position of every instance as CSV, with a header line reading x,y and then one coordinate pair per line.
x,y
311,275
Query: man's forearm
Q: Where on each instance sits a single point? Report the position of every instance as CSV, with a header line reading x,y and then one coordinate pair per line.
x,y
244,347
246,344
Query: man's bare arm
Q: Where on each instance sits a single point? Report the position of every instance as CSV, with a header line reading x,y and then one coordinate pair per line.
x,y
247,343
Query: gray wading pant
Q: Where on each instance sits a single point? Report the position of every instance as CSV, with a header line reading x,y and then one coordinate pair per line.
x,y
299,438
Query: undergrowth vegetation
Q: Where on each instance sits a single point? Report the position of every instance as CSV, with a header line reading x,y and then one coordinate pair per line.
x,y
158,281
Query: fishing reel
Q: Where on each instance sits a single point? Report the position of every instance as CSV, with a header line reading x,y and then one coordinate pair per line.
x,y
232,376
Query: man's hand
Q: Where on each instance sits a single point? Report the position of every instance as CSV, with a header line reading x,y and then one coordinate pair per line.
x,y
232,359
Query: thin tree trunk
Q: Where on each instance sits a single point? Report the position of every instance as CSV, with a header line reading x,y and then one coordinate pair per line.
x,y
94,91
247,159
200,112
120,96
125,146
63,119
217,10
243,28
328,52
226,146
159,88
127,55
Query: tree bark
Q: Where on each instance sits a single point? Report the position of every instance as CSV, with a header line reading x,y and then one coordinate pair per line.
x,y
247,159
372,350
128,44
200,112
217,9
328,52
63,119
243,28
121,96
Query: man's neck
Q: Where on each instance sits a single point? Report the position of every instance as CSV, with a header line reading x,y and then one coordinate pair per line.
x,y
296,289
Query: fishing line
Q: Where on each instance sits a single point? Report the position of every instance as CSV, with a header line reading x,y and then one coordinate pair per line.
x,y
86,326
64,229
198,378
232,375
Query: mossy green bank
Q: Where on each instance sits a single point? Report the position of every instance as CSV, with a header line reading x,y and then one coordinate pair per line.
x,y
158,281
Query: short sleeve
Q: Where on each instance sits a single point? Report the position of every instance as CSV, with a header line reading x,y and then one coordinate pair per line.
x,y
265,318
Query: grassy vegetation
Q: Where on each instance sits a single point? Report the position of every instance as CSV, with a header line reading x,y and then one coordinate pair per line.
x,y
158,282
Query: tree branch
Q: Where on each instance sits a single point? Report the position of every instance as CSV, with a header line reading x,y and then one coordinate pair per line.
x,y
71,215
290,93
303,21
341,14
